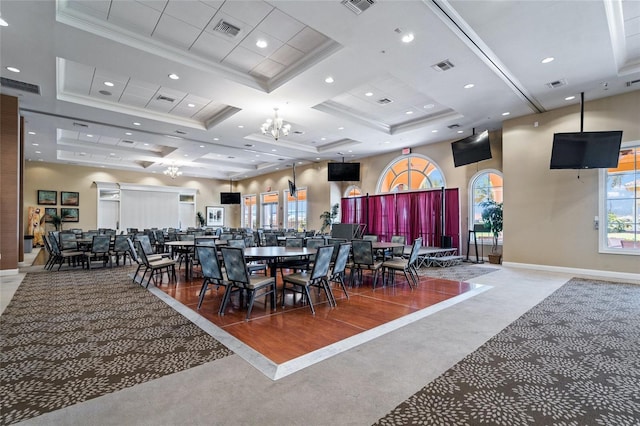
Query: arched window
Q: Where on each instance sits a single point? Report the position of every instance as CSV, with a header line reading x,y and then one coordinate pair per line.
x,y
484,185
409,173
352,191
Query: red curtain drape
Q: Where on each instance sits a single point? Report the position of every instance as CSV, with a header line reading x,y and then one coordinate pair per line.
x,y
412,214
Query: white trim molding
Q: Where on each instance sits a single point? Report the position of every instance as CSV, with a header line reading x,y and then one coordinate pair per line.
x,y
577,271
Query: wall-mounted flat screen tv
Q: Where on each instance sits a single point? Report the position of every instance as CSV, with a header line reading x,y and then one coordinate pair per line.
x,y
340,172
229,198
292,189
471,149
586,150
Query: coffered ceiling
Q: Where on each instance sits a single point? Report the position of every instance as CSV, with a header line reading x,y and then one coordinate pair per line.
x,y
140,85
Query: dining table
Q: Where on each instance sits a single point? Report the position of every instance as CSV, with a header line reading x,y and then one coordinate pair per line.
x,y
189,251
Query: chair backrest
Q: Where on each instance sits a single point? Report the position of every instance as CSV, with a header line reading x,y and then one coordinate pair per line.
x,y
89,234
341,258
68,241
205,241
186,237
315,242
236,243
294,242
209,262
370,237
415,249
101,244
270,240
143,255
398,251
52,243
120,243
235,265
146,244
225,236
133,252
321,265
159,237
152,237
362,252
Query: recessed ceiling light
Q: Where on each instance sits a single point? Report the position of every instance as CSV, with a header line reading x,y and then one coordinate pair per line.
x,y
369,94
273,150
135,123
317,158
3,23
434,131
262,44
108,83
13,69
387,141
40,159
191,105
201,146
128,133
112,153
323,139
277,168
460,131
83,153
241,127
35,144
469,86
409,112
89,136
186,155
506,113
329,80
350,150
173,76
32,133
428,106
299,162
547,60
407,38
216,139
569,98
340,128
146,144
38,152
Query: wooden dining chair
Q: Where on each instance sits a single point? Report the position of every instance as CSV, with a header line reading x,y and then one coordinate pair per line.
x,y
301,281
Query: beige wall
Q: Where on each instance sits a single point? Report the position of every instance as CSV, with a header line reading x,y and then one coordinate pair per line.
x,y
549,214
62,177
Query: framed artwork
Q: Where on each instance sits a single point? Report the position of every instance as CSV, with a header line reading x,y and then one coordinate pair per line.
x,y
69,198
47,198
215,216
48,212
69,214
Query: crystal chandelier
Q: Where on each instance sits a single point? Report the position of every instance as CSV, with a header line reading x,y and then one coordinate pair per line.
x,y
173,171
275,127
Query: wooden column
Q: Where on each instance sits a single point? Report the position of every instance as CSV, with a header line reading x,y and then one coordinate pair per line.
x,y
10,171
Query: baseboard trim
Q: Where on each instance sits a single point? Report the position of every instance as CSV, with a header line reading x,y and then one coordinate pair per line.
x,y
8,272
576,271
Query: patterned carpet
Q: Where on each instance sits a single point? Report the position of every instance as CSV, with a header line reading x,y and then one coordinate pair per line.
x,y
461,272
574,359
70,336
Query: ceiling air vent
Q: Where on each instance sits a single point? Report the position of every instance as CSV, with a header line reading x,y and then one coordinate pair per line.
x,y
298,132
75,123
128,141
443,66
226,28
631,83
20,85
384,101
181,132
358,6
557,83
454,126
165,98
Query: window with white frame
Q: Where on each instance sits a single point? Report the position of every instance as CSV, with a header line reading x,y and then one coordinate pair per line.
x,y
249,211
486,185
352,191
410,172
269,209
296,209
619,213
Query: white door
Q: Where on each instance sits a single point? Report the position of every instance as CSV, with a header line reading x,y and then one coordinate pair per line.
x,y
187,215
108,214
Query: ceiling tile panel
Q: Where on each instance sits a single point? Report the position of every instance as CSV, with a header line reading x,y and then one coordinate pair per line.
x,y
212,47
77,77
307,40
134,16
175,32
280,25
195,13
135,101
251,12
158,5
286,55
140,89
209,111
267,69
96,8
243,59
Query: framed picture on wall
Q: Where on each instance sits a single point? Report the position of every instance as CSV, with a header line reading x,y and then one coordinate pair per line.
x,y
69,198
215,216
48,212
69,214
47,198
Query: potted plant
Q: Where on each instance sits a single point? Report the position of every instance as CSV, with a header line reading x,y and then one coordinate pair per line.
x,y
328,217
200,219
492,218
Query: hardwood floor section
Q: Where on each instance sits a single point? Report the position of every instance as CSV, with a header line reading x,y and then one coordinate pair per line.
x,y
286,333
